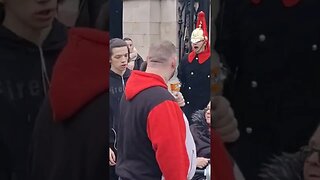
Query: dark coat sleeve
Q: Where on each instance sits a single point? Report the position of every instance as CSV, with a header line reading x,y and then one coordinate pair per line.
x,y
202,142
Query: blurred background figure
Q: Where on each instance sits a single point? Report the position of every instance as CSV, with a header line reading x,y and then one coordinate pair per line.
x,y
135,59
303,165
274,94
31,38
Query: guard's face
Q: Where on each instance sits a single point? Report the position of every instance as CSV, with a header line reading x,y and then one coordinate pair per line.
x,y
199,46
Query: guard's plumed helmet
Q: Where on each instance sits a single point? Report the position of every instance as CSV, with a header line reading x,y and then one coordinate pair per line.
x,y
200,33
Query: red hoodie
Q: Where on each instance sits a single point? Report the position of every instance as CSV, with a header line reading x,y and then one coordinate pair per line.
x,y
81,72
156,140
221,167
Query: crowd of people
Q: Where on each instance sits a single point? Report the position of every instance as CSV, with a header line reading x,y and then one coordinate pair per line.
x,y
59,96
159,129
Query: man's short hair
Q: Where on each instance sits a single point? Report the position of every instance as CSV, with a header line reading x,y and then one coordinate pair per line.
x,y
116,43
161,52
127,39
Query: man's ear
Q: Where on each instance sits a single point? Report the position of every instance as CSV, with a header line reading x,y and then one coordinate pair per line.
x,y
174,62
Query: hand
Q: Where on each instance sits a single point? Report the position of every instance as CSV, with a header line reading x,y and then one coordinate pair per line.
x,y
112,158
202,162
223,119
179,98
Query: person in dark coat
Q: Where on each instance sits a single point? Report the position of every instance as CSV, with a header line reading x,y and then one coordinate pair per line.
x,y
119,74
135,57
194,70
200,130
30,42
272,49
70,136
302,165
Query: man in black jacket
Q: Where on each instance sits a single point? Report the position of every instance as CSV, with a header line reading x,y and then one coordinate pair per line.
x,y
70,137
119,74
30,41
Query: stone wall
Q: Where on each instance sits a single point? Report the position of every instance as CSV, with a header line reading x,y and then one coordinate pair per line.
x,y
149,21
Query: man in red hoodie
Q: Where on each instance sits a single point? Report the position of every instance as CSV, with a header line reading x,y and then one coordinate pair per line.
x,y
154,139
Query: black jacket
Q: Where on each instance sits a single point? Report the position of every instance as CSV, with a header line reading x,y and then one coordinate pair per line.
x,y
274,53
195,85
22,91
116,89
137,63
70,137
201,134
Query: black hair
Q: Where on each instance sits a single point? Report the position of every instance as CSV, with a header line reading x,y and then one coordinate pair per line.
x,y
117,42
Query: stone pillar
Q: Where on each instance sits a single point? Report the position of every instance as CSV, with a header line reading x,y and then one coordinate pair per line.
x,y
149,21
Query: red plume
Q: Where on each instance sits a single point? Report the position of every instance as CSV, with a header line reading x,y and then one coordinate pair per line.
x,y
201,23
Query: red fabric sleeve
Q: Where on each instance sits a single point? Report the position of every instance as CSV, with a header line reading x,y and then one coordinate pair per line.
x,y
167,132
221,165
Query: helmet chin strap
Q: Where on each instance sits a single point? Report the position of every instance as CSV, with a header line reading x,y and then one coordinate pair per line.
x,y
201,48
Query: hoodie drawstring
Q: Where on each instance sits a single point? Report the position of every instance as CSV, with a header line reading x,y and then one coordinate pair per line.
x,y
122,82
44,73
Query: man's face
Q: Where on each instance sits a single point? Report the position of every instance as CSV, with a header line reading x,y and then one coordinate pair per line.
x,y
208,113
312,163
199,46
130,45
119,58
36,14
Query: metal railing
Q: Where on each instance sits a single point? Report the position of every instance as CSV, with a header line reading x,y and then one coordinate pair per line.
x,y
187,17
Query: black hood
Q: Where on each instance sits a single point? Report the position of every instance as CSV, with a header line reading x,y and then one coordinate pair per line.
x,y
284,167
199,118
199,121
55,40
